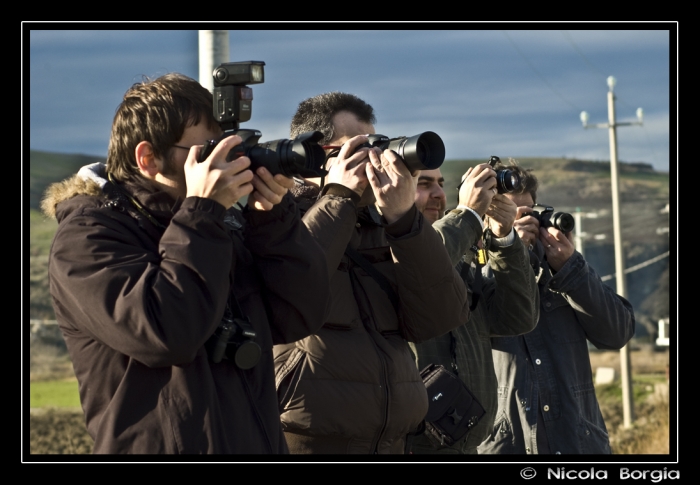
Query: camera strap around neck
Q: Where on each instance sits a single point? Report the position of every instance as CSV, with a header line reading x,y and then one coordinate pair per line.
x,y
374,273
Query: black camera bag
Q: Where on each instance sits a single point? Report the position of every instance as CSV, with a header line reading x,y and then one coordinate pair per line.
x,y
452,409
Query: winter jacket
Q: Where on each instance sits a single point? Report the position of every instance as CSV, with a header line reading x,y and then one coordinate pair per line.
x,y
507,304
353,386
546,397
138,299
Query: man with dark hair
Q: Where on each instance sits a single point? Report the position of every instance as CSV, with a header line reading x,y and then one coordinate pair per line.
x,y
547,402
506,304
170,299
353,386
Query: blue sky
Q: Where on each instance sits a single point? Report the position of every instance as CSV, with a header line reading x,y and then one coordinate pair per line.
x,y
512,90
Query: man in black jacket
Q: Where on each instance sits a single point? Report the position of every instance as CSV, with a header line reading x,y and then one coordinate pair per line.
x,y
151,267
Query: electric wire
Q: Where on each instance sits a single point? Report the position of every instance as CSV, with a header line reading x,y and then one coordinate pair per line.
x,y
638,266
537,73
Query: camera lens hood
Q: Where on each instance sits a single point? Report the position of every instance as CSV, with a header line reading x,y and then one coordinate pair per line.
x,y
425,151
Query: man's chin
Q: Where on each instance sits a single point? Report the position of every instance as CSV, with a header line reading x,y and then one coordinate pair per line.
x,y
431,215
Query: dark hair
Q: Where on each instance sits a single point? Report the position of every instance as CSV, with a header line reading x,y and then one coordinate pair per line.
x,y
316,114
528,180
156,111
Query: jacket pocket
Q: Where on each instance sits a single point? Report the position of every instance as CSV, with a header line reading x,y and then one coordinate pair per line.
x,y
593,436
558,318
593,439
501,440
287,377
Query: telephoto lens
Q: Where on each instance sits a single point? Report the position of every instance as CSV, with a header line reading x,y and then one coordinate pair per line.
x,y
425,151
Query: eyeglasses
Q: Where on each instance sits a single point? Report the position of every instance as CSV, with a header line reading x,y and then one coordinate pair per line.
x,y
180,146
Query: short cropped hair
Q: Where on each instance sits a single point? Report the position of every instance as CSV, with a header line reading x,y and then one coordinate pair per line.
x,y
316,114
156,111
528,180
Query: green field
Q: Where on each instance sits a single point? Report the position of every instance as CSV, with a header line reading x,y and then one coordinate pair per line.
x,y
57,394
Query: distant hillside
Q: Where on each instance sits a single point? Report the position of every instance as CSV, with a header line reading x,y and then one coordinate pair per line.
x,y
575,183
46,168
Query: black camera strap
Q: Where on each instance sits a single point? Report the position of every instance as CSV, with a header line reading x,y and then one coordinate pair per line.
x,y
374,273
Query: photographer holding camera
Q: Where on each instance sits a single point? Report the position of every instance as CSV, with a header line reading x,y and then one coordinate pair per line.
x,y
506,304
169,298
353,386
547,402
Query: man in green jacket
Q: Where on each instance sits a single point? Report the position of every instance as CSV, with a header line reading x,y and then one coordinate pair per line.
x,y
507,304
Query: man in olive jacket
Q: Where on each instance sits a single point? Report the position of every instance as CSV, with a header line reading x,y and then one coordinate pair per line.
x,y
506,304
353,386
151,262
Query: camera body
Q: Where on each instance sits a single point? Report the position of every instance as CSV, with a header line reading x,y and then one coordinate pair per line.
x,y
234,339
506,180
562,221
233,104
425,151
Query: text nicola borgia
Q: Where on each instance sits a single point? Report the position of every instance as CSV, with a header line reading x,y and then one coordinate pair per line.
x,y
655,476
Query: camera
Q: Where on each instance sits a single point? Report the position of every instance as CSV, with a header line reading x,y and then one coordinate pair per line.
x,y
506,180
425,151
234,339
233,103
548,218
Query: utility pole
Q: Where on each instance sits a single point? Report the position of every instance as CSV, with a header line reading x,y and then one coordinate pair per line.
x,y
578,235
611,125
213,50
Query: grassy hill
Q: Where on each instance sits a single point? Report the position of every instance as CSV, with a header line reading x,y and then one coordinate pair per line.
x,y
565,184
45,168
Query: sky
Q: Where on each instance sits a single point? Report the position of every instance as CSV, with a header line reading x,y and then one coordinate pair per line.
x,y
507,89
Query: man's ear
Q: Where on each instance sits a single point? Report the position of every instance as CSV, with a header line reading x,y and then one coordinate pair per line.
x,y
146,160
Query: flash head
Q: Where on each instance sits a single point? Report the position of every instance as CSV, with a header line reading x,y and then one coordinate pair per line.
x,y
239,73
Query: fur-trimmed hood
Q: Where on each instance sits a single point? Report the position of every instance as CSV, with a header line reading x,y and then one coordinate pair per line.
x,y
89,181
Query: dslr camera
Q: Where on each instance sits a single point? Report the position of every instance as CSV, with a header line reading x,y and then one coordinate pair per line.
x,y
506,180
232,104
548,218
234,339
425,151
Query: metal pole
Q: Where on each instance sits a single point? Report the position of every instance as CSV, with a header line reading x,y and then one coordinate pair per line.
x,y
578,235
213,50
625,362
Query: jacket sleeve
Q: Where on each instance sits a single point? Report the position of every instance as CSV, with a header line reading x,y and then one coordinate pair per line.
x,y
606,317
433,296
459,230
157,302
511,297
294,272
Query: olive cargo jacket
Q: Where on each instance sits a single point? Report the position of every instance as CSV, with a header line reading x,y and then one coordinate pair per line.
x,y
136,304
353,386
548,371
508,304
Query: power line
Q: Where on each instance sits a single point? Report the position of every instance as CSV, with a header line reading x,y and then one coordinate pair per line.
x,y
590,64
640,265
532,67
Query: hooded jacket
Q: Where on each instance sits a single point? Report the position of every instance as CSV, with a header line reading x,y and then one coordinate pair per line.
x,y
138,293
353,386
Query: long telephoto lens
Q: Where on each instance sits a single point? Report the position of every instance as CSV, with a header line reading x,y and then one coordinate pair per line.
x,y
425,151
